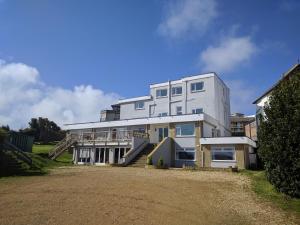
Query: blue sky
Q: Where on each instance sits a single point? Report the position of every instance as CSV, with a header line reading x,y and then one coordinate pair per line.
x,y
95,52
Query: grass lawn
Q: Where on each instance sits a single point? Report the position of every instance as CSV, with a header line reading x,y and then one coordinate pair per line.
x,y
266,191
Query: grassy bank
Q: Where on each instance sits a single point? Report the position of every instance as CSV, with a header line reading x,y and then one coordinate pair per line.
x,y
266,191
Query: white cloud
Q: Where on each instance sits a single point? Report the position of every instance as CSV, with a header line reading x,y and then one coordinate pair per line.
x,y
230,53
23,96
187,17
241,96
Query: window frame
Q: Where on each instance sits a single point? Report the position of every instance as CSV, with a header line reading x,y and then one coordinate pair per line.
x,y
180,135
174,93
162,114
223,149
137,103
194,111
178,114
159,91
195,83
185,149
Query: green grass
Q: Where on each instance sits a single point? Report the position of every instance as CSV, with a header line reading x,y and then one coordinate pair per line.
x,y
266,191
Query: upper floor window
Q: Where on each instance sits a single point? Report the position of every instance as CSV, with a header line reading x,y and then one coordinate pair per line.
x,y
185,129
161,93
197,111
162,114
178,110
177,90
139,105
197,86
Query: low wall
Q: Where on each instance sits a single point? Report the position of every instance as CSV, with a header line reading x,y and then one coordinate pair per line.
x,y
162,150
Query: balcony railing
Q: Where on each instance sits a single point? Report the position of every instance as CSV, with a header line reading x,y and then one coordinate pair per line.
x,y
123,135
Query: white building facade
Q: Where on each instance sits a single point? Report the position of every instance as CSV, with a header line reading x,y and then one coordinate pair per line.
x,y
169,123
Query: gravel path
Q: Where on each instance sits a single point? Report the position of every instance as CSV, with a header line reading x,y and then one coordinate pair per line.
x,y
113,195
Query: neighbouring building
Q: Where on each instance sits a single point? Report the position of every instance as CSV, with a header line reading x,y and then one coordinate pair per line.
x,y
263,100
238,121
185,122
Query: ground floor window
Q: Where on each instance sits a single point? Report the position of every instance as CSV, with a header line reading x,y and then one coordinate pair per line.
x,y
187,154
223,154
84,155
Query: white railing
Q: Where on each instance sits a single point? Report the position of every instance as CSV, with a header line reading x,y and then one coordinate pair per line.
x,y
122,135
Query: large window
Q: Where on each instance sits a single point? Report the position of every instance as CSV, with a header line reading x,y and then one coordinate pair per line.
x,y
186,129
197,111
197,86
178,110
187,154
161,93
176,90
140,105
223,154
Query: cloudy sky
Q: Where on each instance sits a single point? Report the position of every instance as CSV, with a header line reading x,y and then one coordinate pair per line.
x,y
67,60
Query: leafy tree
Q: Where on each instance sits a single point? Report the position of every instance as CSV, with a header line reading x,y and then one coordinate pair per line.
x,y
3,135
279,137
44,130
5,127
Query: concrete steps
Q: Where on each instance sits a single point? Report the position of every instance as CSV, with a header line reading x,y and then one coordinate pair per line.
x,y
141,159
10,164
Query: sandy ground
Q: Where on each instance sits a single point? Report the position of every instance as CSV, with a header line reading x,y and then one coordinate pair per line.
x,y
112,195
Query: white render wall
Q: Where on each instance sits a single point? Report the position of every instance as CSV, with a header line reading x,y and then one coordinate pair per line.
x,y
214,99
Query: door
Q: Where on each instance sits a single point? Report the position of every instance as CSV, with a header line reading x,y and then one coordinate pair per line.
x,y
162,133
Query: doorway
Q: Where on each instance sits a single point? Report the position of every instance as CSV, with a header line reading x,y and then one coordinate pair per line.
x,y
162,133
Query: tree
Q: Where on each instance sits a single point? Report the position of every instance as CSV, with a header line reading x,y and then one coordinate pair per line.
x,y
44,130
279,137
3,135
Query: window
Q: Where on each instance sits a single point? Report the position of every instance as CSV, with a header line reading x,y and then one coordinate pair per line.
x,y
139,105
176,90
187,154
162,114
178,110
223,154
197,86
197,111
186,129
161,93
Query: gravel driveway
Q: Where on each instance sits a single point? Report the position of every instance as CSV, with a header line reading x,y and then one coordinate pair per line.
x,y
113,195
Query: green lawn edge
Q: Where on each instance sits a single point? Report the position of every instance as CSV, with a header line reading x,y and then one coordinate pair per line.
x,y
266,191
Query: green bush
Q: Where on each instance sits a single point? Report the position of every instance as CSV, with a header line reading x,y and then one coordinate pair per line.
x,y
149,160
279,137
3,135
160,162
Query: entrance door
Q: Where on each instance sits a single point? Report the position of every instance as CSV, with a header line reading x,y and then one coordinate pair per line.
x,y
116,156
162,133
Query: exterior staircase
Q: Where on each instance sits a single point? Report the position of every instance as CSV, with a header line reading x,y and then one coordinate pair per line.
x,y
11,164
141,159
61,147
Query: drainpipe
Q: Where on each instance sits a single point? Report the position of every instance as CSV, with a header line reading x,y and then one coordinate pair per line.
x,y
169,98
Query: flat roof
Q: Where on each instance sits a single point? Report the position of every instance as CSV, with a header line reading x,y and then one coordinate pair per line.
x,y
137,121
227,140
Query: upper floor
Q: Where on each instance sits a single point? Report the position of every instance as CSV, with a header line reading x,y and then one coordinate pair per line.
x,y
205,93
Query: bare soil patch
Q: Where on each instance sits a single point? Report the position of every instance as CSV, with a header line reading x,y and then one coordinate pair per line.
x,y
112,195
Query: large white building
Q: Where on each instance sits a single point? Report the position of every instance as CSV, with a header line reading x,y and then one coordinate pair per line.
x,y
179,121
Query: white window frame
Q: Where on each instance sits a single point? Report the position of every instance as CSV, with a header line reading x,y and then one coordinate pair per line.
x,y
180,135
194,111
137,106
195,83
223,149
174,91
162,114
188,149
178,112
158,93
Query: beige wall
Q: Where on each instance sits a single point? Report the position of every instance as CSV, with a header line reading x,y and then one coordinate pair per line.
x,y
198,135
242,155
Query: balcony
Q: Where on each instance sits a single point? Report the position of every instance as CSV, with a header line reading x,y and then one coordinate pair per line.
x,y
108,137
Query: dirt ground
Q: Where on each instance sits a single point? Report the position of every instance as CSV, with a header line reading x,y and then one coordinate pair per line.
x,y
112,195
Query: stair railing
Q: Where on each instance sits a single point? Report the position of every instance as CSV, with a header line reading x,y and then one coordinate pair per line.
x,y
132,153
18,152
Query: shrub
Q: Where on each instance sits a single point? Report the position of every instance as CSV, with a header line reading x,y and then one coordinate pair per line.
x,y
160,162
149,160
278,135
3,135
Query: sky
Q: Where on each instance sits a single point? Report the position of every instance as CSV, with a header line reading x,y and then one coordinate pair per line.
x,y
67,60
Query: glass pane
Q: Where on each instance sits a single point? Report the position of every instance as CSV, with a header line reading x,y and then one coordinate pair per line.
x,y
186,155
223,155
186,129
166,132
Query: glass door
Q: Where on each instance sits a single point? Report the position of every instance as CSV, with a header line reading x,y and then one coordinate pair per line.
x,y
162,133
